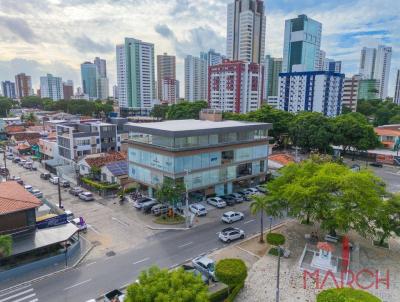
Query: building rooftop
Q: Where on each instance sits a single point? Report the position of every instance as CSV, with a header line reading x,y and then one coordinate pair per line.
x,y
14,198
100,160
187,127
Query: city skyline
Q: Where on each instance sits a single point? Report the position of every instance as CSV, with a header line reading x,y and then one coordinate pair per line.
x,y
176,30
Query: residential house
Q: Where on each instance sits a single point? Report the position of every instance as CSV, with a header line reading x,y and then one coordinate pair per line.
x,y
98,161
116,172
388,135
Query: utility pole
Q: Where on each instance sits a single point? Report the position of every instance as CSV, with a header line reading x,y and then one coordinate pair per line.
x,y
187,199
278,273
59,190
5,164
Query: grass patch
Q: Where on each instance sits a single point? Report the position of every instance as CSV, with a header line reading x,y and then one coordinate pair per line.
x,y
346,294
177,219
274,251
275,238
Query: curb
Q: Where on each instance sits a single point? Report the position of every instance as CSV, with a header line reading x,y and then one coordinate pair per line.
x,y
167,229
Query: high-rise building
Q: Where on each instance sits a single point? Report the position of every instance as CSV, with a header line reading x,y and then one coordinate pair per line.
x,y
375,64
302,44
246,24
102,79
235,86
8,89
135,74
89,80
166,69
177,89
325,64
168,91
321,60
368,89
316,91
23,85
212,57
68,90
350,92
51,87
396,98
115,92
101,65
272,69
195,79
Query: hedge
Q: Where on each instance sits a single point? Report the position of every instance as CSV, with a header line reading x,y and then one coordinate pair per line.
x,y
346,294
275,238
231,271
220,295
274,251
234,292
98,185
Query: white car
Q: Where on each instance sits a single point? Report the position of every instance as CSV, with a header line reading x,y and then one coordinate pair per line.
x,y
54,180
252,191
77,223
10,156
22,162
206,266
28,188
238,197
86,196
37,193
216,202
231,216
230,234
198,209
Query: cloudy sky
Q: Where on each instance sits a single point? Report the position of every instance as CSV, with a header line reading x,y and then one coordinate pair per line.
x,y
56,36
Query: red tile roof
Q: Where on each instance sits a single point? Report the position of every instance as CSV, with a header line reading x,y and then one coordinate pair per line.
x,y
283,159
106,158
387,131
26,136
14,198
13,129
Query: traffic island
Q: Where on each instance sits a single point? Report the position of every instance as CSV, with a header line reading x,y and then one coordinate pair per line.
x,y
170,220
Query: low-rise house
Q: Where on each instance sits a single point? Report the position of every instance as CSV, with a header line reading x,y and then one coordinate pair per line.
x,y
388,135
97,161
115,172
31,137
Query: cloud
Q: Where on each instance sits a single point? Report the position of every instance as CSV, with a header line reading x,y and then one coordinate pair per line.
x,y
19,28
164,31
87,45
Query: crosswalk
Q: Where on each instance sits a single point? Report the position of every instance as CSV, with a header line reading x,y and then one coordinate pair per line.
x,y
24,293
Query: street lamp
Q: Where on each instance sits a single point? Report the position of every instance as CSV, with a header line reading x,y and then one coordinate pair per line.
x,y
187,198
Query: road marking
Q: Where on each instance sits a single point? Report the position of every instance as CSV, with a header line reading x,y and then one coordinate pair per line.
x,y
80,283
140,261
186,244
93,229
34,300
91,263
14,290
16,295
121,222
252,220
24,298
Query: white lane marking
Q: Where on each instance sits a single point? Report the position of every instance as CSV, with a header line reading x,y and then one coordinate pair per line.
x,y
34,300
140,261
93,229
5,292
252,220
91,263
121,222
24,298
16,295
80,283
185,244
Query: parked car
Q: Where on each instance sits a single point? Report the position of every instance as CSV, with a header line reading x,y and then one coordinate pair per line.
x,y
64,183
28,188
244,195
376,164
159,209
206,266
198,209
216,202
114,295
75,191
28,165
230,234
4,171
16,160
139,202
45,176
37,193
196,272
70,215
230,200
81,226
86,196
262,189
147,206
251,191
238,197
10,156
18,180
22,162
54,180
230,217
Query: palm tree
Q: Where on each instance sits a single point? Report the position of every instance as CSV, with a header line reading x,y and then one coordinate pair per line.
x,y
259,205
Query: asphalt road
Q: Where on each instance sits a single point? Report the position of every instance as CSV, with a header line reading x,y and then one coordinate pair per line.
x,y
93,279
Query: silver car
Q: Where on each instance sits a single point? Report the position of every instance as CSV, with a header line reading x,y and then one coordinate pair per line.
x,y
206,266
231,216
230,234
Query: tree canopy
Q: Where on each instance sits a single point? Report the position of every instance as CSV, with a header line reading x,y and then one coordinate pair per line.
x,y
170,192
5,106
181,111
5,245
379,112
160,285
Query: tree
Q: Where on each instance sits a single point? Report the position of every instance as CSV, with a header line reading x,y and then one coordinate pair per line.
x,y
5,246
160,285
388,218
185,110
5,106
33,102
159,111
378,112
231,271
171,192
30,118
311,131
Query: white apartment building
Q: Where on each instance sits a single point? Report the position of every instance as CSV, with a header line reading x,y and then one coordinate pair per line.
x,y
51,87
235,86
195,79
316,91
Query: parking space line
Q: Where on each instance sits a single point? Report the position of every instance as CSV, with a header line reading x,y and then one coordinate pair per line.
x,y
121,222
249,221
77,284
18,294
185,244
140,261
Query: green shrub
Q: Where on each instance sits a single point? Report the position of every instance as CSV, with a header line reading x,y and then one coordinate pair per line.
x,y
99,185
235,291
5,245
274,251
231,271
346,295
275,238
220,295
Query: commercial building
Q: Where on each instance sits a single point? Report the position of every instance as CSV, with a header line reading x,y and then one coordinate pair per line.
x,y
272,69
316,91
166,69
89,80
325,64
246,25
77,139
208,157
101,65
212,57
302,44
68,90
368,89
135,74
375,64
23,85
235,86
8,89
51,87
195,79
396,98
168,91
350,92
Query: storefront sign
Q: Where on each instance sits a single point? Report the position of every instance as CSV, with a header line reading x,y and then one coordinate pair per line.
x,y
51,222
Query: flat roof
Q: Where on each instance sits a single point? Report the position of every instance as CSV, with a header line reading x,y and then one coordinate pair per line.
x,y
42,238
177,128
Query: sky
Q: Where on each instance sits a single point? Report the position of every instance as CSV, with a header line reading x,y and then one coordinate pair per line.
x,y
56,36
